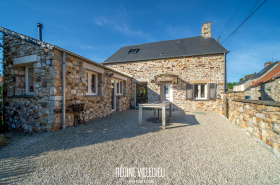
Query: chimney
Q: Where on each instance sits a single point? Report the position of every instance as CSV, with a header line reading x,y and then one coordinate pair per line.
x,y
40,26
267,64
206,30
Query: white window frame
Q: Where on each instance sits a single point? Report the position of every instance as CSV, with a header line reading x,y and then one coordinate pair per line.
x,y
120,87
88,92
27,92
199,91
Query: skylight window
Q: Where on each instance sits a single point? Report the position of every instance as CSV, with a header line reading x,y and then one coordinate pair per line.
x,y
133,51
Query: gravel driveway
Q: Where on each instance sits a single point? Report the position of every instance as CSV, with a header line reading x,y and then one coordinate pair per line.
x,y
193,149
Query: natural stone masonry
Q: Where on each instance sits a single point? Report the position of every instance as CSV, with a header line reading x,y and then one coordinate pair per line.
x,y
193,69
43,110
34,113
260,118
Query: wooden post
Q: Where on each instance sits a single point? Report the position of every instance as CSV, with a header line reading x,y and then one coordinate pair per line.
x,y
170,110
155,111
225,106
140,115
163,117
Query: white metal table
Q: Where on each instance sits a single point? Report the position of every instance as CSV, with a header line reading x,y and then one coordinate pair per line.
x,y
156,105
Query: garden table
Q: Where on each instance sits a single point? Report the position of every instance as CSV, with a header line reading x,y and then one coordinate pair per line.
x,y
156,105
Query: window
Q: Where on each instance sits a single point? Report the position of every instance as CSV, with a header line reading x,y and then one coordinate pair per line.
x,y
166,88
133,51
199,91
29,82
92,83
119,85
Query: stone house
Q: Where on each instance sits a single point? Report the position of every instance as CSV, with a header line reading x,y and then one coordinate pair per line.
x,y
42,81
244,84
190,72
267,87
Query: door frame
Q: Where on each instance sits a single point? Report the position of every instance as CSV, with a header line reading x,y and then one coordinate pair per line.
x,y
115,97
162,90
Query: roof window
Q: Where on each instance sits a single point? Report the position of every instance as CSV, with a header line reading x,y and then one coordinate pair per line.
x,y
133,51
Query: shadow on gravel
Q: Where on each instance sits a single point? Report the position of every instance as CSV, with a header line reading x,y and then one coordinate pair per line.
x,y
24,147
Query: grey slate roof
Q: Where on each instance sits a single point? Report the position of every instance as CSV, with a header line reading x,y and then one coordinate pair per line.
x,y
50,46
245,80
264,70
169,49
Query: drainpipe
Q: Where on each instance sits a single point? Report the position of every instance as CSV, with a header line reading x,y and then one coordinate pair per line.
x,y
63,90
224,72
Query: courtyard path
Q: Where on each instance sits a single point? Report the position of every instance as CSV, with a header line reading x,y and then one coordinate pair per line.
x,y
193,149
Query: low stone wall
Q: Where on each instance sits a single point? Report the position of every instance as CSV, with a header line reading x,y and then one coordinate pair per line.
x,y
260,118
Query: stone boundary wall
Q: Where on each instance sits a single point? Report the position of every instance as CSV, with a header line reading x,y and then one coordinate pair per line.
x,y
261,119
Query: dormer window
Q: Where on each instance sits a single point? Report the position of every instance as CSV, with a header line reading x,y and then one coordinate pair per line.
x,y
133,51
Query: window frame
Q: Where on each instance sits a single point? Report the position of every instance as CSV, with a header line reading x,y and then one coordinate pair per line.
x,y
199,92
119,86
27,91
89,90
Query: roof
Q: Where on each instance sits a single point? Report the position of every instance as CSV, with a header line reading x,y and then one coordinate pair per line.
x,y
168,49
50,46
245,80
272,74
264,70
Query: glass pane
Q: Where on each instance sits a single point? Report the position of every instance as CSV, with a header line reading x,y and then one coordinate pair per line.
x,y
166,89
118,87
93,84
87,80
196,91
121,87
30,80
202,88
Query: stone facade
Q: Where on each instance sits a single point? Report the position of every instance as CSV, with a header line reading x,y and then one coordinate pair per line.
x,y
195,69
267,91
23,112
43,110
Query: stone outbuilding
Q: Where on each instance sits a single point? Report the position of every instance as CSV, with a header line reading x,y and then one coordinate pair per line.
x,y
189,72
42,82
267,87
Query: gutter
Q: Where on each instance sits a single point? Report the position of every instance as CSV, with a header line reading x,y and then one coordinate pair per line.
x,y
225,61
63,90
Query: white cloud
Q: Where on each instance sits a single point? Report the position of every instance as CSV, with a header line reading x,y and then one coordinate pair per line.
x,y
101,20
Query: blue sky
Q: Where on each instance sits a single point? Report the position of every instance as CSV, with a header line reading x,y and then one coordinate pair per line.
x,y
97,29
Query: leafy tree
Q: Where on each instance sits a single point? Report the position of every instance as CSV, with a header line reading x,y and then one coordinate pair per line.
x,y
230,85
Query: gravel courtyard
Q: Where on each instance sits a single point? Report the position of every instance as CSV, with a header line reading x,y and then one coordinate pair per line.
x,y
193,149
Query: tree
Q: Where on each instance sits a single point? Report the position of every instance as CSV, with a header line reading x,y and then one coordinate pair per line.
x,y
230,85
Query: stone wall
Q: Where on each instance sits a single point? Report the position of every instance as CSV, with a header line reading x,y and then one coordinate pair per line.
x,y
255,92
96,106
271,90
195,69
260,118
28,113
43,110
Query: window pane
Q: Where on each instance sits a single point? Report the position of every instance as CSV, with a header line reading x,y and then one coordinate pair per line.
x,y
118,87
121,87
166,89
202,88
196,91
30,80
87,80
93,84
